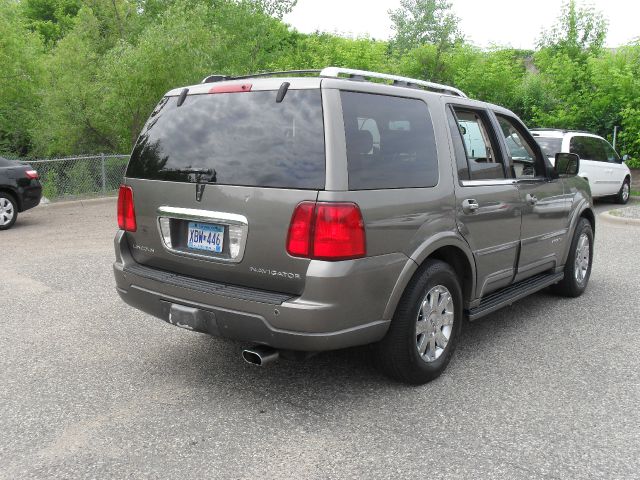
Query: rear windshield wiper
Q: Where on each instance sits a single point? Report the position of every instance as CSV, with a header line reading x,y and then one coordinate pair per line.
x,y
207,175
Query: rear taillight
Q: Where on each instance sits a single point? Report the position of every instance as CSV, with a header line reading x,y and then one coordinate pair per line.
x,y
326,231
126,209
31,174
298,240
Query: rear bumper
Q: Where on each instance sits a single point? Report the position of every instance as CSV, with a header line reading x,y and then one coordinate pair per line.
x,y
30,196
342,305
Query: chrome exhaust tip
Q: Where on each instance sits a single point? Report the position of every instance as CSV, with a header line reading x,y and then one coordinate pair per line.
x,y
260,355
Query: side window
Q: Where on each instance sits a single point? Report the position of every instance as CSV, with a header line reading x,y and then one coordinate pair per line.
x,y
370,125
458,147
612,155
597,147
578,146
390,142
588,148
523,157
483,162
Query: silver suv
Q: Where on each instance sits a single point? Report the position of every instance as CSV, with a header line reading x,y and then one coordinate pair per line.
x,y
309,211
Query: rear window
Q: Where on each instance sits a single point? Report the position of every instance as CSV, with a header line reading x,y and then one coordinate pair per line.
x,y
6,163
237,138
550,146
390,142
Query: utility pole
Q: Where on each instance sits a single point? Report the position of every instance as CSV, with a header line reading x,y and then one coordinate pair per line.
x,y
615,134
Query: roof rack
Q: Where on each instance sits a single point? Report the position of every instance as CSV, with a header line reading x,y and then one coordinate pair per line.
x,y
563,130
357,75
220,78
397,80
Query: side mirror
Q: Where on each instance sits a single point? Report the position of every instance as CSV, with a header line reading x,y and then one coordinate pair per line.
x,y
625,157
567,164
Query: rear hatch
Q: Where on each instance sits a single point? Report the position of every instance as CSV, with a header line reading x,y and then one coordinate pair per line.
x,y
216,178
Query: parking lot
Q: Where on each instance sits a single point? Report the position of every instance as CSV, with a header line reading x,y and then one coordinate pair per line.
x,y
91,388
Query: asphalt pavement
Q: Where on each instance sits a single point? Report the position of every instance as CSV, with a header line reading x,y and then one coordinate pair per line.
x,y
548,388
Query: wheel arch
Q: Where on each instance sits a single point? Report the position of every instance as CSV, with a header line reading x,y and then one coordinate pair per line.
x,y
14,195
589,215
450,249
583,211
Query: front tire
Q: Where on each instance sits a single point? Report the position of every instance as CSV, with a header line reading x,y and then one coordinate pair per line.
x,y
425,328
578,267
625,192
8,211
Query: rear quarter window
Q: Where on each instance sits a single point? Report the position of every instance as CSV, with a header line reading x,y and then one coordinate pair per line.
x,y
390,142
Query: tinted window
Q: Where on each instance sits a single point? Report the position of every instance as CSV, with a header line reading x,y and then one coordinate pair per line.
x,y
390,142
478,144
458,147
523,157
588,148
612,155
242,138
550,146
579,147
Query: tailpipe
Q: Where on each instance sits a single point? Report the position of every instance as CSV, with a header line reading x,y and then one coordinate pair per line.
x,y
260,355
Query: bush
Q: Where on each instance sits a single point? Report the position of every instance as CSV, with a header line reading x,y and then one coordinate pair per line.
x,y
50,184
633,163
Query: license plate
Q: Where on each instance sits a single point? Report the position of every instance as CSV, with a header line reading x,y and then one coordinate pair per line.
x,y
205,236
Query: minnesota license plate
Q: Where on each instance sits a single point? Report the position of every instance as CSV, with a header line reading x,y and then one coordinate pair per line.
x,y
205,236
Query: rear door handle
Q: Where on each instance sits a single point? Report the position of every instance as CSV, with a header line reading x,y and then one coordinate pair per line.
x,y
531,199
470,205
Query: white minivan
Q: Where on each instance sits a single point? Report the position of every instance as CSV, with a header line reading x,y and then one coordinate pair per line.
x,y
600,164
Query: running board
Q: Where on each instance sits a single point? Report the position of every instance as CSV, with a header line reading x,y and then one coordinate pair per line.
x,y
510,294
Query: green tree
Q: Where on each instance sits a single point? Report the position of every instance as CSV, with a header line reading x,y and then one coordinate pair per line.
x,y
52,19
426,23
580,31
566,62
20,77
69,118
319,50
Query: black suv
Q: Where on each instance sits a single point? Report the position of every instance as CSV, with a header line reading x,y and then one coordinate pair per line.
x,y
20,190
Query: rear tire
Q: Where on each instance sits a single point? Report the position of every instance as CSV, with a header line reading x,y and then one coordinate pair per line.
x,y
8,211
578,267
625,192
425,327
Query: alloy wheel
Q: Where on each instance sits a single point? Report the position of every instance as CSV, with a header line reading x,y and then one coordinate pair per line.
x,y
583,260
625,192
434,323
6,212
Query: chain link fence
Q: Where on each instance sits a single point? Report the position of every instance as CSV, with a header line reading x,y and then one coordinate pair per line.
x,y
81,176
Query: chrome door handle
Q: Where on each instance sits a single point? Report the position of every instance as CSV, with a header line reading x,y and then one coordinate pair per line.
x,y
470,205
531,199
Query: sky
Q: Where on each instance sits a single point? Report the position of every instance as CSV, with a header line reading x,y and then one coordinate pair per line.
x,y
483,22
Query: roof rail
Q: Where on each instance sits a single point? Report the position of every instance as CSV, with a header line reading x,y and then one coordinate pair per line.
x,y
220,78
361,75
397,80
563,130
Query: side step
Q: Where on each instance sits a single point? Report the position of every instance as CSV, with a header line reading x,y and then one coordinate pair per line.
x,y
510,294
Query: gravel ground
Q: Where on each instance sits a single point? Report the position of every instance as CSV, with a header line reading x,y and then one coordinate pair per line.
x,y
548,388
632,211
